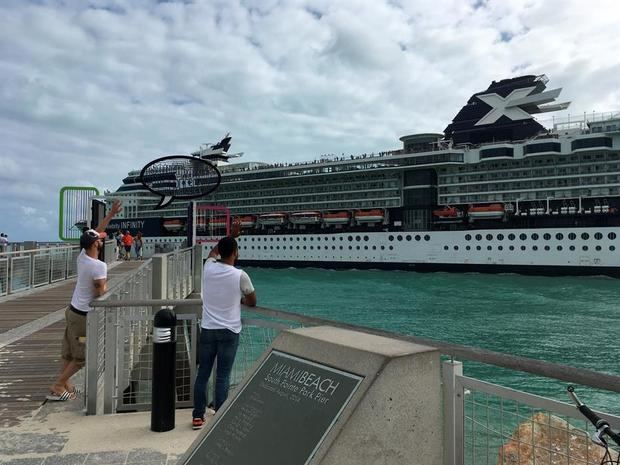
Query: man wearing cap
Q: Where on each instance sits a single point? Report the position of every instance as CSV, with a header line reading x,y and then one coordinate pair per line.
x,y
92,275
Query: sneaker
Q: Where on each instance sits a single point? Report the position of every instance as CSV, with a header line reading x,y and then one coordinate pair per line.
x,y
198,423
210,411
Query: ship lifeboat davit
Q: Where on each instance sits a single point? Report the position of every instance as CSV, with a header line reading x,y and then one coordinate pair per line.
x,y
173,225
491,211
247,221
271,219
336,218
305,217
447,214
369,216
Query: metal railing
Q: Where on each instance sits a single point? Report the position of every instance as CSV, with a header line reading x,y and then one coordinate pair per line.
x,y
24,269
483,422
27,269
180,270
119,345
106,328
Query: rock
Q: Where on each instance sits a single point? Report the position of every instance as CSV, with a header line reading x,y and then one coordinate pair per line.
x,y
550,440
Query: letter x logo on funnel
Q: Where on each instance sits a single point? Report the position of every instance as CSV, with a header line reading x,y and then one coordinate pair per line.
x,y
180,177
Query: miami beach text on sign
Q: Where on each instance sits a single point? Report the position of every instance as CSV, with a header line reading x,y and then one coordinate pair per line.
x,y
302,382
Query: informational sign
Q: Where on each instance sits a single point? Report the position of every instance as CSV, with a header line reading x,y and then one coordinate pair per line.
x,y
280,416
181,177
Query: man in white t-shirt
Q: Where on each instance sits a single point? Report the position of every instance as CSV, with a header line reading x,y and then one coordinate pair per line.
x,y
224,289
92,276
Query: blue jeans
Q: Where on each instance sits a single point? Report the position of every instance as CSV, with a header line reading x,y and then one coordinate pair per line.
x,y
220,343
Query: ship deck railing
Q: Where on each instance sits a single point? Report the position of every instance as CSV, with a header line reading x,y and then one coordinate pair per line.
x,y
481,419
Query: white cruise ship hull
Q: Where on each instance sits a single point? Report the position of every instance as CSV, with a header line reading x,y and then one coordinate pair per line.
x,y
540,251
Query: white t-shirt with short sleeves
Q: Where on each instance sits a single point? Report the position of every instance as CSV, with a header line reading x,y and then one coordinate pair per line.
x,y
88,270
223,286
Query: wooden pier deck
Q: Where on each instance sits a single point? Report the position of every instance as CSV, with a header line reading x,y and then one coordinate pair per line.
x,y
31,330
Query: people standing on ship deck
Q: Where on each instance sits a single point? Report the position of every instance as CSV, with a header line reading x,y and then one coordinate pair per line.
x,y
224,289
127,243
4,242
92,275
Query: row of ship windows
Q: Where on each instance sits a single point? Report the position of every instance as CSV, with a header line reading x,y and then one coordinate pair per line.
x,y
318,247
585,248
534,236
468,237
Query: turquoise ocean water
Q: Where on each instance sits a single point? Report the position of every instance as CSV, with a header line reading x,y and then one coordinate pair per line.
x,y
568,320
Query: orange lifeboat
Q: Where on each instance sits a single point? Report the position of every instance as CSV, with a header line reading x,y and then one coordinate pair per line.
x,y
247,221
173,225
336,218
491,211
271,219
218,222
369,216
448,213
305,217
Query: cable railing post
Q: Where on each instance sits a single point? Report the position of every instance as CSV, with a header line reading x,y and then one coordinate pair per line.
x,y
109,373
450,369
92,356
159,287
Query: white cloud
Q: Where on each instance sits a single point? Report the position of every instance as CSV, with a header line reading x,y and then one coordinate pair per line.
x,y
93,89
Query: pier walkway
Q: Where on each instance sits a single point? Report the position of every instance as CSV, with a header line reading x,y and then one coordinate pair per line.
x,y
36,431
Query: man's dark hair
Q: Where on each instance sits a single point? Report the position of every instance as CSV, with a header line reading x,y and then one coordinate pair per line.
x,y
226,246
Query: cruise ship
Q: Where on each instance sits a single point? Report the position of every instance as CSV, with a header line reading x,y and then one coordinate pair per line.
x,y
497,191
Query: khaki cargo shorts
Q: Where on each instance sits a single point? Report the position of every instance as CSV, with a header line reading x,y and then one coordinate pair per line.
x,y
74,342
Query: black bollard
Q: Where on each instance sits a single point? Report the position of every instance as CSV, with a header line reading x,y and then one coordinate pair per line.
x,y
164,366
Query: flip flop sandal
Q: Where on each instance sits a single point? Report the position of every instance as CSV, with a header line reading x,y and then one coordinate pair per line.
x,y
61,397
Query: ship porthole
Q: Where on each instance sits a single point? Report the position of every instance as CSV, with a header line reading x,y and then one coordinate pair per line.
x,y
445,247
611,236
559,247
427,237
598,236
547,248
559,236
572,247
572,236
584,248
612,247
585,237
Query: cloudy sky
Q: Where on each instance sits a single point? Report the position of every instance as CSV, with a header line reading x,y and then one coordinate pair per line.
x,y
90,89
